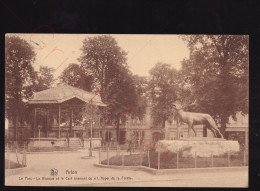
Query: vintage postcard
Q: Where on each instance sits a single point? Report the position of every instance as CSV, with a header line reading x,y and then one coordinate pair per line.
x,y
126,110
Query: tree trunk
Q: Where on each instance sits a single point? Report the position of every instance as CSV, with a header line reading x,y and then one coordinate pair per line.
x,y
102,93
205,128
71,120
117,128
163,124
223,126
15,128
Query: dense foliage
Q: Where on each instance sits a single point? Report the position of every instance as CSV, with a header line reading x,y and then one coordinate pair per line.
x,y
217,74
19,77
163,91
75,76
106,62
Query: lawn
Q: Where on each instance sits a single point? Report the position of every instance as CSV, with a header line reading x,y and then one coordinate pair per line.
x,y
49,149
169,161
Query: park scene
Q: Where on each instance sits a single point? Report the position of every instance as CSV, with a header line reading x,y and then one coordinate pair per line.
x,y
126,110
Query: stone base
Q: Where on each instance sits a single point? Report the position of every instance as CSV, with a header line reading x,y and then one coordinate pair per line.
x,y
47,142
203,147
202,139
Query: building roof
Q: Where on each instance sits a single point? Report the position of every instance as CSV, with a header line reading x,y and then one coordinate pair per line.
x,y
63,93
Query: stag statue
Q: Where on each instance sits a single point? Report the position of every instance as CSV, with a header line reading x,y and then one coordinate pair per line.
x,y
192,119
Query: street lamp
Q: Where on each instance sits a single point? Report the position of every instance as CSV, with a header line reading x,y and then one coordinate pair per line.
x,y
92,122
39,127
89,120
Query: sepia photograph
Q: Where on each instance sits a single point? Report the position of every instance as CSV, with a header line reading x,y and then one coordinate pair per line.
x,y
126,110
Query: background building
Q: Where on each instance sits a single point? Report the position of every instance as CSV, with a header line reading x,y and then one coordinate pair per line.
x,y
238,129
59,114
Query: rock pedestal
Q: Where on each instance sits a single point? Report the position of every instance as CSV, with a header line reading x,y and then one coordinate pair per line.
x,y
202,146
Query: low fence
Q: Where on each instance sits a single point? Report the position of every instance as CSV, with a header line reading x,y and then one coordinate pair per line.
x,y
170,160
15,156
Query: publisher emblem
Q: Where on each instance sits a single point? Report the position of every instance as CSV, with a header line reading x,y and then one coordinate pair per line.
x,y
54,172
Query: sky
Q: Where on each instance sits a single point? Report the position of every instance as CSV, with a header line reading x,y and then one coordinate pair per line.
x,y
144,51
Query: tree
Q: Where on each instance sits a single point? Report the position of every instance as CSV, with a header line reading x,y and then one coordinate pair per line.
x,y
126,97
74,75
122,99
45,78
106,62
163,91
141,85
102,58
217,72
19,77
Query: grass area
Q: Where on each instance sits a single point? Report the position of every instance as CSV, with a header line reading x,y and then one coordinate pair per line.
x,y
12,164
129,160
49,149
169,161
